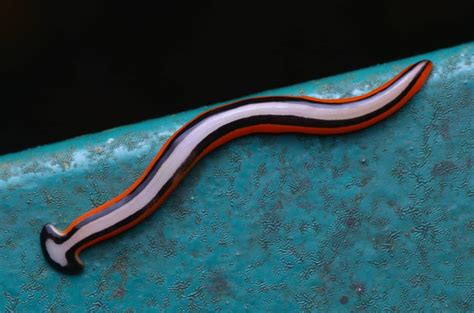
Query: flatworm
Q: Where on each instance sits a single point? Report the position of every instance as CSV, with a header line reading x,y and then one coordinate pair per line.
x,y
211,129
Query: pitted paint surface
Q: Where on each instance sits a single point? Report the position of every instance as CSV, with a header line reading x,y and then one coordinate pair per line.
x,y
378,220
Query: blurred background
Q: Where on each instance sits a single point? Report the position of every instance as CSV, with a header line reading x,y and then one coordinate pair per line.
x,y
69,68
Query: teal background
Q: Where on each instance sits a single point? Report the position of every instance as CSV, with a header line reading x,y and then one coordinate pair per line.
x,y
382,219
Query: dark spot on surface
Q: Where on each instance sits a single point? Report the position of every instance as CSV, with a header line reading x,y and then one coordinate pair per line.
x,y
120,266
443,168
344,300
378,239
351,222
358,288
470,224
218,285
445,131
365,180
392,203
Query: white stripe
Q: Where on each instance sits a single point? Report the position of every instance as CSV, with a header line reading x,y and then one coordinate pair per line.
x,y
212,123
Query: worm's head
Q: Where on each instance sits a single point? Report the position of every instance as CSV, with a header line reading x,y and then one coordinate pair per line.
x,y
57,251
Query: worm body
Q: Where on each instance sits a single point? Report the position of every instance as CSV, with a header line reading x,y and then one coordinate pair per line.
x,y
211,129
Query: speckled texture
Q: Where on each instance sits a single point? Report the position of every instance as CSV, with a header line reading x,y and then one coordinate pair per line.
x,y
381,220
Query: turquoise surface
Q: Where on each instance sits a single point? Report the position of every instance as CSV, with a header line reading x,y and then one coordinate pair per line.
x,y
380,220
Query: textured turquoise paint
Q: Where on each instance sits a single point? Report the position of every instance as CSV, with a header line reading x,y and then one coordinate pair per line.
x,y
384,217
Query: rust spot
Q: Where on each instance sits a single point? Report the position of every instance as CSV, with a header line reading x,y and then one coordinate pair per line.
x,y
344,300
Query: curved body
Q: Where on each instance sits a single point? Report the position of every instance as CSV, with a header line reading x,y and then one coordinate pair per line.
x,y
208,131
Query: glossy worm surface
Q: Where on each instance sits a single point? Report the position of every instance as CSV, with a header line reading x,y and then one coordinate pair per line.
x,y
212,129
